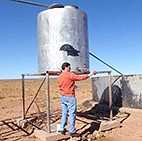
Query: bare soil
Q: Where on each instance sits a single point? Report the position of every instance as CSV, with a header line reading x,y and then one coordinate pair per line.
x,y
11,109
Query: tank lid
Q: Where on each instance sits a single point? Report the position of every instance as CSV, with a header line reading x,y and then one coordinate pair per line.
x,y
55,5
71,6
58,5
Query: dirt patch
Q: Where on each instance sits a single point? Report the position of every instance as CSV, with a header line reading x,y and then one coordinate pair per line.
x,y
11,107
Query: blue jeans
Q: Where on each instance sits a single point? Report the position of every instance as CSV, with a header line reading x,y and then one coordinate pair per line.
x,y
68,105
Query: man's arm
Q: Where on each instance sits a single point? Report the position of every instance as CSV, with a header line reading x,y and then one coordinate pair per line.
x,y
76,77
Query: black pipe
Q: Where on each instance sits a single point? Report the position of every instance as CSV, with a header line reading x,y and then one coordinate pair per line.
x,y
105,63
31,3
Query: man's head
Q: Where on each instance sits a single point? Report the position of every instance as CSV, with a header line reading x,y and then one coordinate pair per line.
x,y
66,66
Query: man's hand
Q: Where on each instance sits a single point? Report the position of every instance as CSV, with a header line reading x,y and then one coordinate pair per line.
x,y
92,73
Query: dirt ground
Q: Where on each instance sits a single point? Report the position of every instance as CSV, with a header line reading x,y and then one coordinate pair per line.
x,y
11,110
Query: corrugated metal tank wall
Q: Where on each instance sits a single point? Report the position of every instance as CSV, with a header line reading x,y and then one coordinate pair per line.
x,y
62,36
130,86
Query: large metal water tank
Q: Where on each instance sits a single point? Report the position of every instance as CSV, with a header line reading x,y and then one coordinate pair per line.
x,y
62,37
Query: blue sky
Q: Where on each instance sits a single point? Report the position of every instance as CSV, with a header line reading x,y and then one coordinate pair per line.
x,y
115,35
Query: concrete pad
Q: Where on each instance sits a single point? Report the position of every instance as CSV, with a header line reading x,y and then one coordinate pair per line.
x,y
44,136
108,125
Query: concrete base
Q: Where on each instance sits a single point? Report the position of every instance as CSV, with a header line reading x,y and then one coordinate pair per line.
x,y
44,136
108,125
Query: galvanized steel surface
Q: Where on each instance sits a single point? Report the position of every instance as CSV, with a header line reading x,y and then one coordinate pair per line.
x,y
62,36
130,86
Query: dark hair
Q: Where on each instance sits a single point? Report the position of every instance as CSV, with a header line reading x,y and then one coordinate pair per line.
x,y
64,65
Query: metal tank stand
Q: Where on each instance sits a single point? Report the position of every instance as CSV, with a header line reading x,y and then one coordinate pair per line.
x,y
25,110
48,134
28,119
110,124
39,132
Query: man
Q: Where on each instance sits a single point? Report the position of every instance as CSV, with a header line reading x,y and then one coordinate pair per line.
x,y
66,83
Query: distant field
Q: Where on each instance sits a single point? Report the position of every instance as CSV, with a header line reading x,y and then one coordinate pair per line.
x,y
11,95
